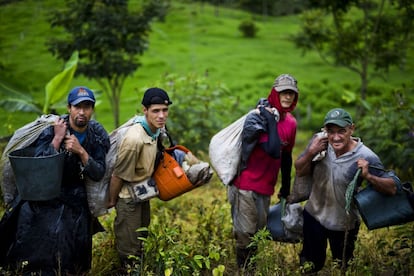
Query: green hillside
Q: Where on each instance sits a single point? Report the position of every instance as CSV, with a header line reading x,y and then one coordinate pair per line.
x,y
195,38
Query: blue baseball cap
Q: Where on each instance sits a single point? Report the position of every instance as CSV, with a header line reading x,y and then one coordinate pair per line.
x,y
80,94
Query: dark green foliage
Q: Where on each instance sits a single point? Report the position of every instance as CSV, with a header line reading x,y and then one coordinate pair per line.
x,y
263,7
321,97
248,28
181,248
199,110
273,7
109,36
342,5
366,37
388,128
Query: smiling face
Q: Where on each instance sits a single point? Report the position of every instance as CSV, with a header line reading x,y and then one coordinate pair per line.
x,y
286,98
156,115
340,138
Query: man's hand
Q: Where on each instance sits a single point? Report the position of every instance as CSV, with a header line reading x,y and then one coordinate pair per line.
x,y
363,164
59,129
318,144
72,144
269,113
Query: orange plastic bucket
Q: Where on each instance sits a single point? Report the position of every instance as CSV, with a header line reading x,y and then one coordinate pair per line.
x,y
170,177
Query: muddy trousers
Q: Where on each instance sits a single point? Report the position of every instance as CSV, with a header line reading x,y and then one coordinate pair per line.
x,y
249,212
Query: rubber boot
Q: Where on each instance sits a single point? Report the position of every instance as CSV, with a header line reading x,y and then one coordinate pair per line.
x,y
243,257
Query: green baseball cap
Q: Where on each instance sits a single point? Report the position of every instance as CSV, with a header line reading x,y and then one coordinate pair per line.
x,y
339,117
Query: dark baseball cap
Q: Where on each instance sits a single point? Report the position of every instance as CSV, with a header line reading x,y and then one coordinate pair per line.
x,y
155,95
80,94
339,117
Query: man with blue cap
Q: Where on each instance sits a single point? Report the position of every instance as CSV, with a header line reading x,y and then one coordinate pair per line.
x,y
54,237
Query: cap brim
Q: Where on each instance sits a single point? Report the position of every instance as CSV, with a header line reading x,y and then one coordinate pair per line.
x,y
337,122
82,99
286,87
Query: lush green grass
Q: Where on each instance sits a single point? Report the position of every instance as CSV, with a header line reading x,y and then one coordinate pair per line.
x,y
193,39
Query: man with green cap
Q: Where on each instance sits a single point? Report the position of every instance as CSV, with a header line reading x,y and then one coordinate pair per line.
x,y
325,216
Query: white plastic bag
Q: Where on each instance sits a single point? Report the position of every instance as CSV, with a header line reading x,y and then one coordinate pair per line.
x,y
225,150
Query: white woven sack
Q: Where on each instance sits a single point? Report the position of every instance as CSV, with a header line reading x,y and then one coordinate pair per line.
x,y
225,150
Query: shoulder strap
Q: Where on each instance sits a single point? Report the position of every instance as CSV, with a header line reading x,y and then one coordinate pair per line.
x,y
161,149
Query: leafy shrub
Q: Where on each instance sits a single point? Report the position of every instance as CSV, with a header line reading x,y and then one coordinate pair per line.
x,y
248,28
318,99
388,128
188,243
199,110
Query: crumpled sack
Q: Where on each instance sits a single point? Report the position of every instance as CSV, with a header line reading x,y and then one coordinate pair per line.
x,y
225,150
293,221
285,222
302,186
98,191
198,172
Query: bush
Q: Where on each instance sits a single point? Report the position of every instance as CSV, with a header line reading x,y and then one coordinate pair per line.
x,y
199,110
316,99
248,28
388,128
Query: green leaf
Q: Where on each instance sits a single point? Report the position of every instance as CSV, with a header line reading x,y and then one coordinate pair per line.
x,y
168,271
10,92
349,96
14,105
58,86
198,260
